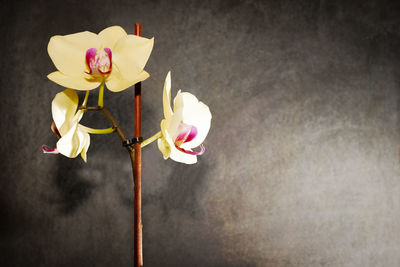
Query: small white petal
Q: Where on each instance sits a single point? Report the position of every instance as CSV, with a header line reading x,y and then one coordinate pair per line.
x,y
84,143
163,145
116,83
63,109
180,156
69,143
167,96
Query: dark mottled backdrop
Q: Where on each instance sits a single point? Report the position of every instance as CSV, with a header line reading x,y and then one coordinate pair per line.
x,y
302,163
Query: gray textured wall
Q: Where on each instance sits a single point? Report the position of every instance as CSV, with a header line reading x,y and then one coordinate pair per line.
x,y
302,162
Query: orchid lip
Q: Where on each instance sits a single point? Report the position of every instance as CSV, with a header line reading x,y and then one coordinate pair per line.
x,y
48,150
187,134
99,62
201,152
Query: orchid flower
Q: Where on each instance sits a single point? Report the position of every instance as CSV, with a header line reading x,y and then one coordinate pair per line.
x,y
74,139
85,60
185,127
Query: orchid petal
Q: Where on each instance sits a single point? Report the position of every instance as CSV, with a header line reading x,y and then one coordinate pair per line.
x,y
75,142
74,82
195,113
172,124
180,156
69,143
111,35
167,96
131,54
68,52
163,145
85,142
63,109
117,83
78,116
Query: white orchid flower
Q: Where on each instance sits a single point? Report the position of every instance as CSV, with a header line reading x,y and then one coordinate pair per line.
x,y
74,139
85,60
185,127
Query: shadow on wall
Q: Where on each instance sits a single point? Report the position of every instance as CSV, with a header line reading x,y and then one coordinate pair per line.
x,y
176,227
73,190
398,109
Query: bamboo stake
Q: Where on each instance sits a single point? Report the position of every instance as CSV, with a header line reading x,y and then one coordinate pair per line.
x,y
137,173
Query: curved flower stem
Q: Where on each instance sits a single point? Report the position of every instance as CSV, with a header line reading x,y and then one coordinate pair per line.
x,y
116,126
98,131
90,108
86,99
100,102
151,139
113,121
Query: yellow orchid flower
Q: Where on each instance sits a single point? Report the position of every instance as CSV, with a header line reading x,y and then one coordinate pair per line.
x,y
185,127
84,60
74,139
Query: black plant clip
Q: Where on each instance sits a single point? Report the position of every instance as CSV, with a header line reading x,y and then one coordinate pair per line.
x,y
132,142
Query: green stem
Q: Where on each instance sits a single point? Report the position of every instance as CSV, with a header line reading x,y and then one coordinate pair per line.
x,y
97,131
86,99
101,95
151,139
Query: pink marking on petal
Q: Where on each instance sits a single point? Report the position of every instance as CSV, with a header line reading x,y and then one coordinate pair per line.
x,y
201,152
186,133
182,136
48,150
91,59
109,53
192,134
103,62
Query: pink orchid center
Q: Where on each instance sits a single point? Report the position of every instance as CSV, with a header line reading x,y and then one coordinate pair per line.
x,y
187,133
99,61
